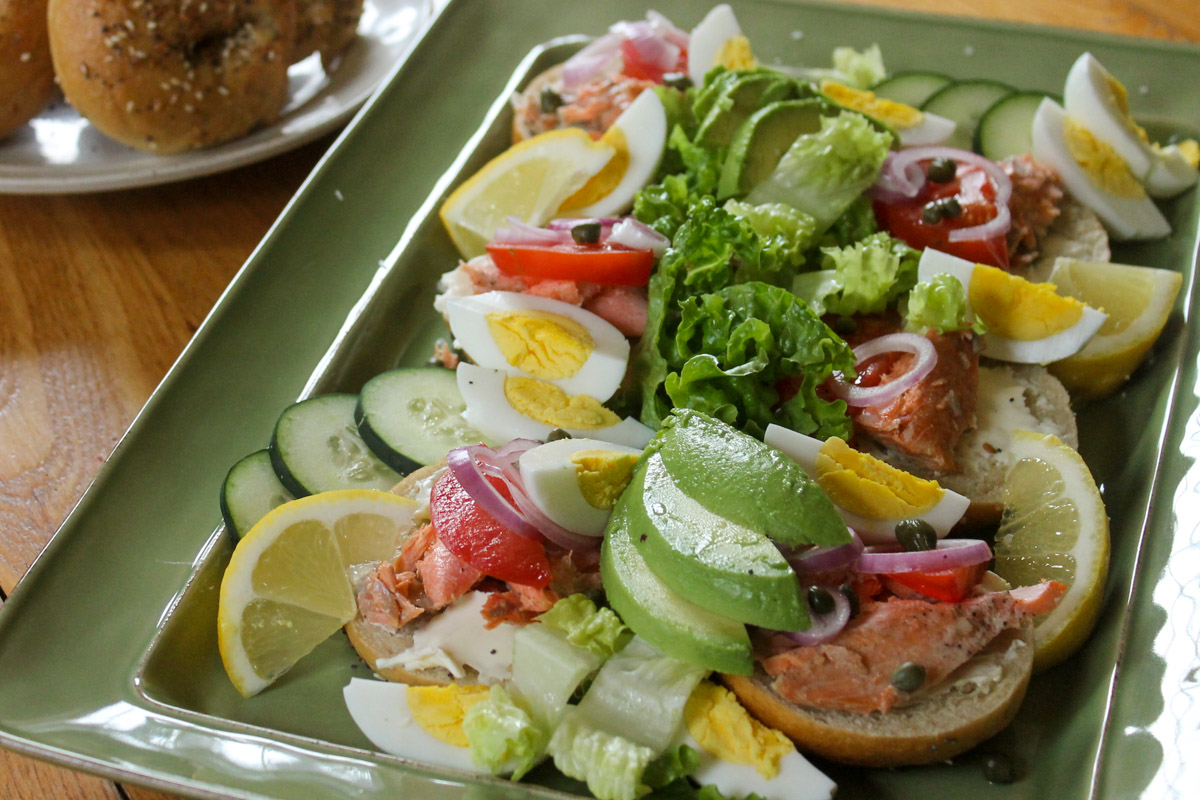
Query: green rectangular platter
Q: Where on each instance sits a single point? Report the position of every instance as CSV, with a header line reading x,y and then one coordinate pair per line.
x,y
108,657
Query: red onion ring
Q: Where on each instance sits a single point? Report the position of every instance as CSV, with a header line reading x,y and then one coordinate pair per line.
x,y
567,223
638,236
913,343
519,232
899,180
825,627
813,560
656,51
949,554
568,540
591,60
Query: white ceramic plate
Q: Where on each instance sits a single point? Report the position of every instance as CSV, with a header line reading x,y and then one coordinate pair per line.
x,y
60,153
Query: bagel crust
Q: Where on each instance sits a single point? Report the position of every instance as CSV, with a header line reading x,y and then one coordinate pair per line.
x,y
326,27
173,75
26,71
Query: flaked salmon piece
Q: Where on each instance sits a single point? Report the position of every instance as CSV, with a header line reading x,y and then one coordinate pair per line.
x,y
626,307
1034,205
444,576
383,598
853,671
519,604
414,548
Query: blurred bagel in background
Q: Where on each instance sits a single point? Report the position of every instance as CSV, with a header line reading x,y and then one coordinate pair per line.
x,y
325,27
173,75
26,71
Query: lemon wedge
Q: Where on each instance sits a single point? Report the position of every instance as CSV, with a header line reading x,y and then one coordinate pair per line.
x,y
1138,301
1054,527
286,588
530,180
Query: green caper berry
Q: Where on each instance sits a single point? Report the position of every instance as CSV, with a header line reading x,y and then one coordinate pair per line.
x,y
586,233
998,768
677,80
915,535
951,208
550,100
942,170
819,600
852,597
556,434
931,213
909,677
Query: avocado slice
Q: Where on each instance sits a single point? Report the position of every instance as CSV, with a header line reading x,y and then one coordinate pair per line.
x,y
742,97
737,477
760,142
660,616
716,564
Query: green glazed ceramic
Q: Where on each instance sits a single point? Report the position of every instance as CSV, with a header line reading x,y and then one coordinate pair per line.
x,y
108,650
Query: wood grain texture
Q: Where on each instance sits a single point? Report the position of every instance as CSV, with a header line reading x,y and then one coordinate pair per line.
x,y
99,294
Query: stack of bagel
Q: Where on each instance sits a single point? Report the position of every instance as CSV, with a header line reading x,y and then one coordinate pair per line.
x,y
164,76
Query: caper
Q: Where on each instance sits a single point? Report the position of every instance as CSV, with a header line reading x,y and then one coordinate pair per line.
x,y
915,535
677,80
909,677
852,597
951,208
586,233
942,170
998,768
556,434
931,212
550,100
820,600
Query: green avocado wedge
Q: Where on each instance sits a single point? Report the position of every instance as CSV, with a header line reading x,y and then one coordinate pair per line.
x,y
716,564
744,94
737,477
660,616
760,142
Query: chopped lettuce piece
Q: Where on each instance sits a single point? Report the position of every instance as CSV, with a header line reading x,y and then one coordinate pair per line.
x,y
864,278
611,765
547,669
940,304
823,173
862,70
787,232
503,736
597,630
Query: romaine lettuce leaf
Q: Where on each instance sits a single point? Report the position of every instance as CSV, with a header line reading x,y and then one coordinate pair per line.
x,y
503,736
939,304
864,278
597,630
788,233
860,69
611,765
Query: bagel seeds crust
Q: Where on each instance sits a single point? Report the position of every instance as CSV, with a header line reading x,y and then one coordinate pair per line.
x,y
26,71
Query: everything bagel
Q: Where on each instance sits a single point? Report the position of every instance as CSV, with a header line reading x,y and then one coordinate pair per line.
x,y
325,26
172,75
26,72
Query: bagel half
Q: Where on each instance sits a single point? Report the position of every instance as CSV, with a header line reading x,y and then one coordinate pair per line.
x,y
26,71
947,721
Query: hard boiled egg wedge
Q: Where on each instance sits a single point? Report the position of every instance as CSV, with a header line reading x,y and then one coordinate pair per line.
x,y
871,495
1027,323
718,41
576,481
576,350
913,126
1099,101
504,407
1095,174
639,137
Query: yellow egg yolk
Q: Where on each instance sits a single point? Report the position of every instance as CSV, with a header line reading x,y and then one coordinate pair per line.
x,y
1190,150
1099,161
895,114
602,475
866,486
736,54
719,724
547,346
440,709
1120,98
1014,308
551,406
603,182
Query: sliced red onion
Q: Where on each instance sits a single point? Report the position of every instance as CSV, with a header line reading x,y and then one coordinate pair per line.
x,y
591,60
568,540
884,393
899,179
666,29
656,51
520,232
567,223
465,463
826,626
949,554
813,560
638,236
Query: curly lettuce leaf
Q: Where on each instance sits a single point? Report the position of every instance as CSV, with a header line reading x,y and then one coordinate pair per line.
x,y
864,278
861,69
785,231
696,171
610,765
597,630
940,304
503,736
856,222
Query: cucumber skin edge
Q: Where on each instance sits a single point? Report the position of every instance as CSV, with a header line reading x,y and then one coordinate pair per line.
x,y
393,458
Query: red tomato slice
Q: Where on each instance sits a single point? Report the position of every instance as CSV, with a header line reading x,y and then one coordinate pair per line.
x,y
950,585
636,67
975,194
478,539
590,263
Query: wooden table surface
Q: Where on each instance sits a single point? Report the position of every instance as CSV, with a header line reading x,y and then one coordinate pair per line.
x,y
100,293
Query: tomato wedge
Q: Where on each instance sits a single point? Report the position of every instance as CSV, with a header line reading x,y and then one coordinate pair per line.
x,y
478,539
950,585
977,197
590,263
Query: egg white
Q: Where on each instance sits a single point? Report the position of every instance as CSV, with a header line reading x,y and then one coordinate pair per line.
x,y
797,778
552,483
489,412
804,451
1088,98
1125,217
1018,351
643,127
599,376
380,709
718,27
932,129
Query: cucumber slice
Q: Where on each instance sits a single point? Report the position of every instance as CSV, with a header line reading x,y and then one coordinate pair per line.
x,y
965,102
251,489
1006,128
911,88
316,448
412,417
